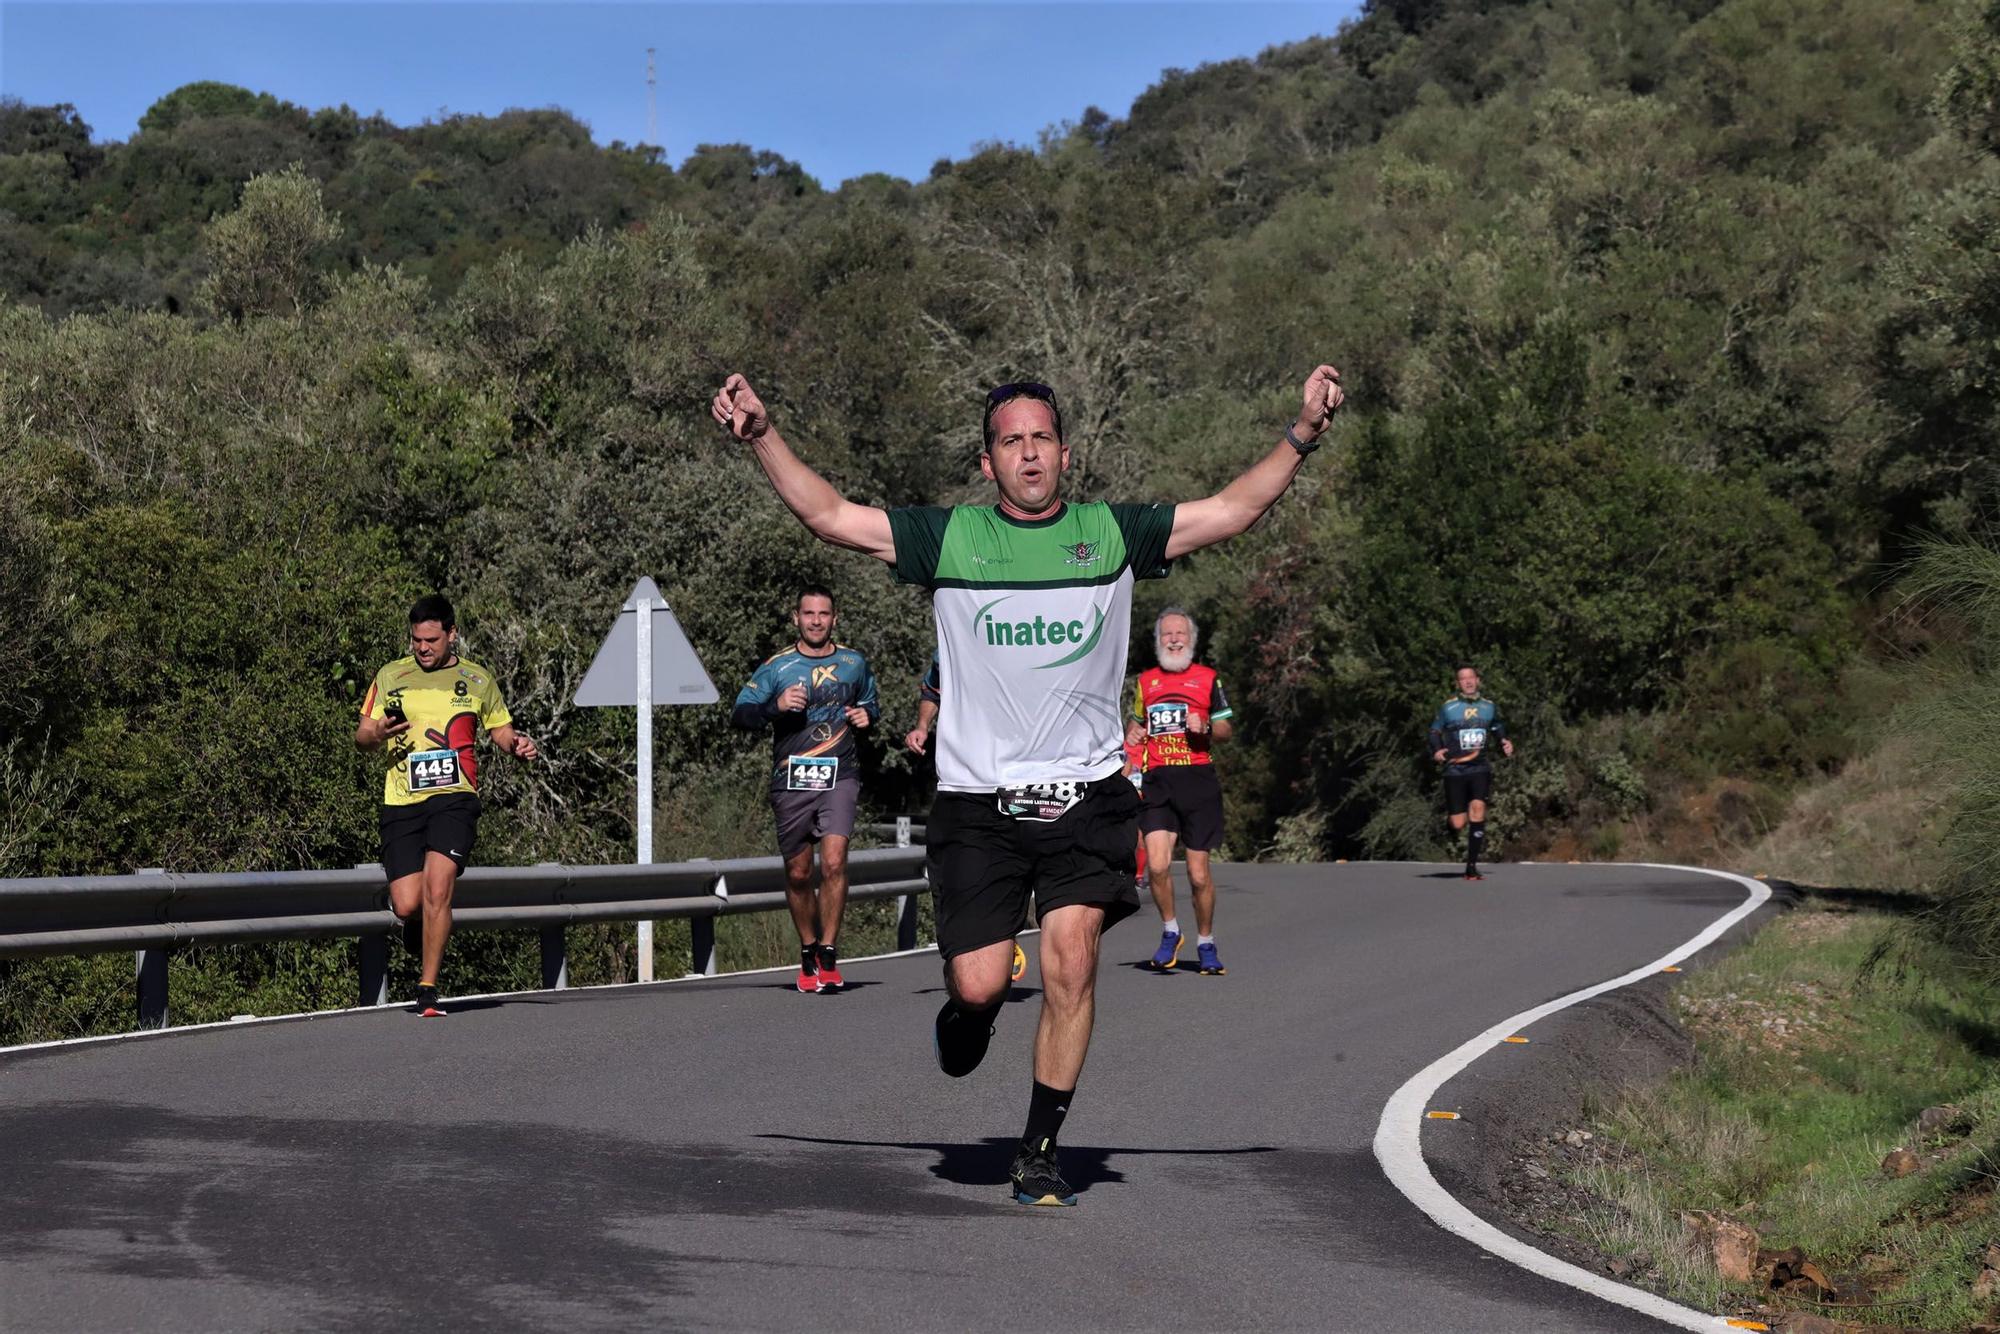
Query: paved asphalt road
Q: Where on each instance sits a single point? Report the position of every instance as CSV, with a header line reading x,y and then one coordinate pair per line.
x,y
731,1155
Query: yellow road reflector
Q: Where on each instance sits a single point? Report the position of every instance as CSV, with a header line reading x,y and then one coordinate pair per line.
x,y
1441,1116
1671,968
1516,1038
1340,861
1762,876
1746,1324
1574,862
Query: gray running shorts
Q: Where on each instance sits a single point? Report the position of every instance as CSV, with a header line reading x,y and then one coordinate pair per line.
x,y
808,817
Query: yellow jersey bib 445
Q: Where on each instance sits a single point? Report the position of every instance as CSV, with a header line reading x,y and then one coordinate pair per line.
x,y
446,707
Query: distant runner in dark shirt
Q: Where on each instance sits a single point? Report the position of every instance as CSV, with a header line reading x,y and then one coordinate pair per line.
x,y
814,696
1465,729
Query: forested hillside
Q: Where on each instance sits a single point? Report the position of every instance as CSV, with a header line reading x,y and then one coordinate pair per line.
x,y
1667,323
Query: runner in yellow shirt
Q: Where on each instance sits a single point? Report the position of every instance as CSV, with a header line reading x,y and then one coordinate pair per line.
x,y
427,710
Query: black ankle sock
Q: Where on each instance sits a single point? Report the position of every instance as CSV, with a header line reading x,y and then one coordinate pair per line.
x,y
1475,841
809,958
1046,1109
828,957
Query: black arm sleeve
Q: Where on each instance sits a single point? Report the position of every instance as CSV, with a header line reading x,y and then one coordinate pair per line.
x,y
753,716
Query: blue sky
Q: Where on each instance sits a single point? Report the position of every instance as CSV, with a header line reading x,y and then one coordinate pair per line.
x,y
844,89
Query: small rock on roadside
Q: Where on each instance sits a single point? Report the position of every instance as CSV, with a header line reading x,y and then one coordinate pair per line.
x,y
1899,1163
1801,1322
1933,1120
1986,1285
1576,1139
1731,1245
1536,1172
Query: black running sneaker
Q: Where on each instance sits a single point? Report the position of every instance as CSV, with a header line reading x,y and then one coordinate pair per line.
x,y
961,1037
1037,1179
428,1004
1472,873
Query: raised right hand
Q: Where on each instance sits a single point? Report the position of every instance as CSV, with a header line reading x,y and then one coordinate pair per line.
x,y
792,699
737,407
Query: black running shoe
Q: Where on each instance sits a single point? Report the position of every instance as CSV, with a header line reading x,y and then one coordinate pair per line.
x,y
1472,873
413,933
428,1004
960,1038
1037,1179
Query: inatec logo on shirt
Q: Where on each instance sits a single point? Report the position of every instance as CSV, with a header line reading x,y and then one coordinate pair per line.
x,y
997,629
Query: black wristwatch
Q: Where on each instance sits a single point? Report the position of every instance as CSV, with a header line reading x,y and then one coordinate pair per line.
x,y
1303,446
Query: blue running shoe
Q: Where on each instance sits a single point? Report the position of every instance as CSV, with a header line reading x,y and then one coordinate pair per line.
x,y
1168,954
1211,966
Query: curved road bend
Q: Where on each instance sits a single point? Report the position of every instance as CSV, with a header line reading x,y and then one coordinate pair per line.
x,y
731,1155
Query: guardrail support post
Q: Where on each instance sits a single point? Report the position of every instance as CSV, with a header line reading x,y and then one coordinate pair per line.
x,y
149,966
555,958
149,970
701,931
374,970
906,905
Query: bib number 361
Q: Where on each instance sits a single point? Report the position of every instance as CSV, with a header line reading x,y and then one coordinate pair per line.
x,y
429,770
1166,719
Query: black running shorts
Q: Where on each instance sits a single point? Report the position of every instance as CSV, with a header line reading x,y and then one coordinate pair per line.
x,y
1462,787
984,865
447,823
1184,799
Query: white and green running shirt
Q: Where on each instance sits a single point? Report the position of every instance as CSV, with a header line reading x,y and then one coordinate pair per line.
x,y
1033,619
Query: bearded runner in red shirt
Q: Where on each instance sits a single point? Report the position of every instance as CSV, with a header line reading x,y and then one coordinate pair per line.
x,y
1179,712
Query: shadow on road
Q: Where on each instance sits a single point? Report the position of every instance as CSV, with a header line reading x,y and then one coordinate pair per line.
x,y
986,1162
789,985
452,1007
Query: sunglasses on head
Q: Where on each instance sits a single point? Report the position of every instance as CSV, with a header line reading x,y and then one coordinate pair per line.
x,y
1019,389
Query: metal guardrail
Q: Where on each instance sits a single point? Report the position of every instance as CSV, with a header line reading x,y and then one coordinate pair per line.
x,y
155,911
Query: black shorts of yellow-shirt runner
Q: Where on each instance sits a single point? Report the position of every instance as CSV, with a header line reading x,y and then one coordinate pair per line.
x,y
1184,799
987,866
447,823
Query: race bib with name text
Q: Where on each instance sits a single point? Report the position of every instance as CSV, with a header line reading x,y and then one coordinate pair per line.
x,y
812,773
429,770
1043,803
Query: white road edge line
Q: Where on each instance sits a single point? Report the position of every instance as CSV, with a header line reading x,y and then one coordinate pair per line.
x,y
1399,1134
402,1007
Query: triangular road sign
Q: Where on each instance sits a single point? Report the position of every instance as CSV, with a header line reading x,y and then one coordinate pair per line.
x,y
678,676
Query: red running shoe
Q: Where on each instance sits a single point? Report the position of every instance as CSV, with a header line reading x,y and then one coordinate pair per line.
x,y
809,981
829,970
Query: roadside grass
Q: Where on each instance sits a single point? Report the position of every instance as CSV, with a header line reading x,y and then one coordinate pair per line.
x,y
1817,1046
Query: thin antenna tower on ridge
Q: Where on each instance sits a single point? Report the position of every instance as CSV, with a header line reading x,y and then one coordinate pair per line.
x,y
652,101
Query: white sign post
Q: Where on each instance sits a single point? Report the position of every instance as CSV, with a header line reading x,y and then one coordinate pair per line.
x,y
645,660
